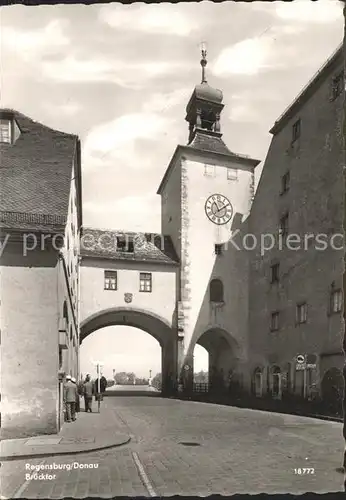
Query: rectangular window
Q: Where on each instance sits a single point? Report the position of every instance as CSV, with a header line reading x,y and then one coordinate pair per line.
x,y
336,298
337,85
145,282
232,174
285,183
110,280
302,313
209,170
296,129
283,229
274,278
125,244
5,131
274,321
218,249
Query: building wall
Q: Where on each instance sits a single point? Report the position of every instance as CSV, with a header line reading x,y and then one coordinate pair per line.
x,y
315,205
94,298
29,336
171,208
69,282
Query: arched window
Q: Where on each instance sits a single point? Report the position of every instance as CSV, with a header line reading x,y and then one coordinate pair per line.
x,y
276,382
258,382
216,290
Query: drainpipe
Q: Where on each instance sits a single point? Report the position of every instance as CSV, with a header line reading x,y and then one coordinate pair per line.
x,y
344,223
78,314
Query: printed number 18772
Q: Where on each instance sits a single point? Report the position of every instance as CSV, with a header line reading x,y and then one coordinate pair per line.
x,y
304,470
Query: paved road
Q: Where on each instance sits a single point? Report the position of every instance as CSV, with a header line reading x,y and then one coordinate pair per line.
x,y
237,451
132,388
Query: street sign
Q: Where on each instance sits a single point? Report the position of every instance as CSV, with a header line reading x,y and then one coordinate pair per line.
x,y
311,365
300,366
186,367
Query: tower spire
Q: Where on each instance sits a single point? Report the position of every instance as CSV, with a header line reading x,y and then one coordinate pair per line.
x,y
204,61
205,105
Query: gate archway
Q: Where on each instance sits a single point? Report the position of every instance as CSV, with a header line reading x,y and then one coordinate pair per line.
x,y
223,352
332,390
150,323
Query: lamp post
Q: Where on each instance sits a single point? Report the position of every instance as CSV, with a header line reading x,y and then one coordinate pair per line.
x,y
98,371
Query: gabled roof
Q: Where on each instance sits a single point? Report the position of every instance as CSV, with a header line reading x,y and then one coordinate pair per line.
x,y
148,247
36,170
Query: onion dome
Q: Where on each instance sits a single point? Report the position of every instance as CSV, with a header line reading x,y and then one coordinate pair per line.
x,y
207,93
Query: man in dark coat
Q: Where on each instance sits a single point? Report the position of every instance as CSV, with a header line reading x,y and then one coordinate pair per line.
x,y
100,385
88,391
103,384
70,397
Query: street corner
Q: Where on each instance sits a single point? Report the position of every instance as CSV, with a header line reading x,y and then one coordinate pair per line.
x,y
62,446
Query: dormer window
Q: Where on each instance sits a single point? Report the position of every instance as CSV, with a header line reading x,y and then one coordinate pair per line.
x,y
5,131
125,244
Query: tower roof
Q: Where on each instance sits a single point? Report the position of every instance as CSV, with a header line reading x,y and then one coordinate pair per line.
x,y
204,107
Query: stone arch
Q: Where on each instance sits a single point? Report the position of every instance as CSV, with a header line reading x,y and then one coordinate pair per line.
x,y
216,290
155,325
147,321
332,390
223,352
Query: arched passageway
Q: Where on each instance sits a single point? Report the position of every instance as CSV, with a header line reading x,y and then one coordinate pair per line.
x,y
223,353
157,327
332,391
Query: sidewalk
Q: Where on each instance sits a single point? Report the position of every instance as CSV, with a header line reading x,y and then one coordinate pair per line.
x,y
90,432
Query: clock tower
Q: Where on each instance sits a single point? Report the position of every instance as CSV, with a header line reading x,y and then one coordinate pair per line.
x,y
206,194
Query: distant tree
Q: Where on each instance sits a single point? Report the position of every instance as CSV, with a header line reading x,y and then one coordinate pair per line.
x,y
157,381
121,378
141,381
110,382
131,378
200,377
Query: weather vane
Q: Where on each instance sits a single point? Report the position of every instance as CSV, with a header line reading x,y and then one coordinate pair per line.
x,y
204,60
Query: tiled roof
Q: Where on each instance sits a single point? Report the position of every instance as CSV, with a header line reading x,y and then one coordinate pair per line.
x,y
35,171
148,247
208,142
32,222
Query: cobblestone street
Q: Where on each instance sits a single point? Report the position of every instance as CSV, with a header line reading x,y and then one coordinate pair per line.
x,y
227,450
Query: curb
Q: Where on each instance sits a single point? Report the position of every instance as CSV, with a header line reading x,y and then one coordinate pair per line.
x,y
269,410
9,458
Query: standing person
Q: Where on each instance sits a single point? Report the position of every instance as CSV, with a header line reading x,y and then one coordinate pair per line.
x,y
100,388
70,396
103,384
88,391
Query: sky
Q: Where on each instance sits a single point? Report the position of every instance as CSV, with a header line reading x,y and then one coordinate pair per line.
x,y
120,76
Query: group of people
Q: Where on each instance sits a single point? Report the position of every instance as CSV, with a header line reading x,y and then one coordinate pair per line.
x,y
87,389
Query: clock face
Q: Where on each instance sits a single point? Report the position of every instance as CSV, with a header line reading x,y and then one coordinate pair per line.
x,y
218,209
